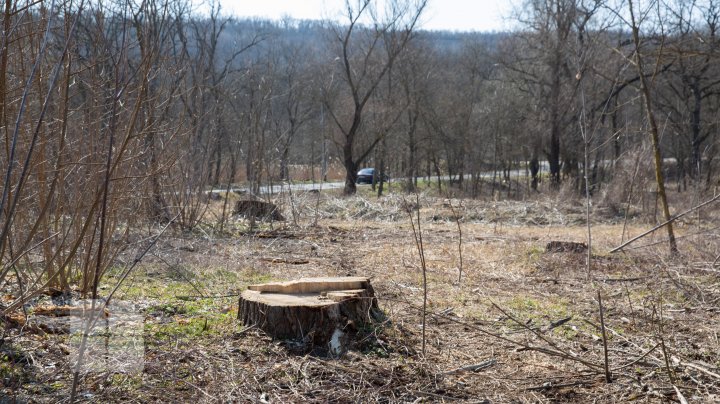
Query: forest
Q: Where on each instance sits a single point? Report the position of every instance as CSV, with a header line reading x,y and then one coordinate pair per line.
x,y
543,198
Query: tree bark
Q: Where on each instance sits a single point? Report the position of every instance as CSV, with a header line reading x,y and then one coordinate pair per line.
x,y
310,309
654,136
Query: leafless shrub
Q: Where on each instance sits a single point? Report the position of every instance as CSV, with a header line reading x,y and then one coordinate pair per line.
x,y
630,191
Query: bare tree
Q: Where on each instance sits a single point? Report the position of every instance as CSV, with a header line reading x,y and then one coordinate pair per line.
x,y
689,88
206,95
542,60
366,54
80,150
294,102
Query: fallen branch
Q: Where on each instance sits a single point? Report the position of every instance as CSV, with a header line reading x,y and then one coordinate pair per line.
x,y
472,368
680,396
440,397
695,366
64,311
558,323
446,312
676,361
557,351
554,351
549,385
643,356
610,280
291,261
661,225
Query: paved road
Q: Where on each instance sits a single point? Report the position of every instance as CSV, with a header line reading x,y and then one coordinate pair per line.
x,y
278,188
301,187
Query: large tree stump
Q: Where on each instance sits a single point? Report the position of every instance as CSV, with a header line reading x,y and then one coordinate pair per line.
x,y
315,310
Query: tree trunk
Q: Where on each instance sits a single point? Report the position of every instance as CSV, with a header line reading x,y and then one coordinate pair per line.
x,y
380,170
350,169
696,137
534,170
284,163
654,136
554,152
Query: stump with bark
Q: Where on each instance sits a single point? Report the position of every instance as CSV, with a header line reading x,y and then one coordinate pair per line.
x,y
565,246
318,311
258,210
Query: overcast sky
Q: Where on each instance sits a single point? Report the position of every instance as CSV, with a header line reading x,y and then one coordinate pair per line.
x,y
457,15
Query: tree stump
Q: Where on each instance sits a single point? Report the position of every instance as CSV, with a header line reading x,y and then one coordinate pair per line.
x,y
314,310
565,246
257,209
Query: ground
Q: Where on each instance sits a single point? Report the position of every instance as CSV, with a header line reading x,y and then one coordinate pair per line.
x,y
520,325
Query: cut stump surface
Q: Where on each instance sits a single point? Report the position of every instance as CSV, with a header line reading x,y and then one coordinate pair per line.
x,y
315,310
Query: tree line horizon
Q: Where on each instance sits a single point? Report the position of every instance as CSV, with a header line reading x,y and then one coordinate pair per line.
x,y
123,110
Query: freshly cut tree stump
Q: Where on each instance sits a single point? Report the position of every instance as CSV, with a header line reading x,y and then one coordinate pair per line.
x,y
314,310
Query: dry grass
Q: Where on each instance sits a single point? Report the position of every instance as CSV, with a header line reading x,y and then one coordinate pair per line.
x,y
503,315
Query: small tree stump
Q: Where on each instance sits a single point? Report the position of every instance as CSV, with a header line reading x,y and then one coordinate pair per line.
x,y
565,246
314,310
256,209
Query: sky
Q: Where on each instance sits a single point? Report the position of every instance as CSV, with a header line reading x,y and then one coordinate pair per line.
x,y
453,15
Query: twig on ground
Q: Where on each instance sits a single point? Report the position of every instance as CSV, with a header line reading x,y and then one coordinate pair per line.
x,y
549,385
556,324
291,261
608,377
643,356
556,348
472,368
695,366
680,396
610,280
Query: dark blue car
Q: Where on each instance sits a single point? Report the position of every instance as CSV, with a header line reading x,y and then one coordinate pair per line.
x,y
365,176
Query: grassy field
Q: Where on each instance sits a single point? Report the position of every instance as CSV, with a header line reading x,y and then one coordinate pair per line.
x,y
522,325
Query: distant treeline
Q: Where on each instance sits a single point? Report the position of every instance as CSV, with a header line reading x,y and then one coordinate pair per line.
x,y
175,102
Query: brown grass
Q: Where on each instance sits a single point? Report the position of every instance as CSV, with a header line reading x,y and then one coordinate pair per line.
x,y
512,294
